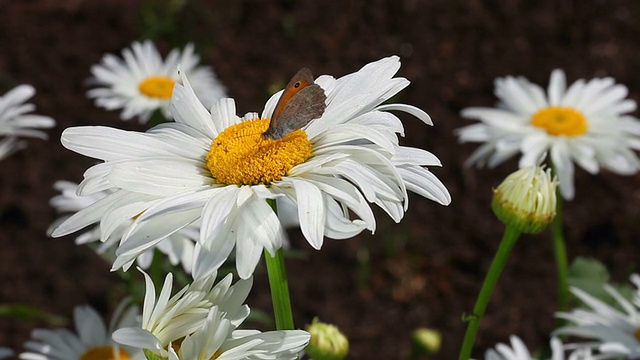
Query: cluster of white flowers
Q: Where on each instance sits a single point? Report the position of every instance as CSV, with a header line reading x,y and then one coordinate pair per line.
x,y
207,183
200,186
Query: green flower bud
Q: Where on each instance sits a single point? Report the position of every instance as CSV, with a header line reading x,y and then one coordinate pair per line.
x,y
327,342
526,199
425,341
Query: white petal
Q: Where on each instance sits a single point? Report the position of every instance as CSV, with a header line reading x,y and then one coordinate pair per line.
x,y
311,211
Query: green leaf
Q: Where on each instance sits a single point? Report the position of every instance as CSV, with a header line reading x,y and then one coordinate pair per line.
x,y
24,312
591,275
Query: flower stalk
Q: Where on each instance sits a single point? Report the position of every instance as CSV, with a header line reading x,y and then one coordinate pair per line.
x,y
279,285
560,252
509,238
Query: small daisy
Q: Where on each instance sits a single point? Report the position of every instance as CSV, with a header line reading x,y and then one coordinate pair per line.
x,y
617,332
201,320
142,82
167,318
179,247
14,120
518,351
218,340
217,168
584,123
92,341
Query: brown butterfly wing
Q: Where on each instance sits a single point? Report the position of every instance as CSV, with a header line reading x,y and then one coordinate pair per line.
x,y
306,105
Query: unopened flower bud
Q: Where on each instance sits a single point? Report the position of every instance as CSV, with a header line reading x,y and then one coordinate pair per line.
x,y
327,342
425,341
526,199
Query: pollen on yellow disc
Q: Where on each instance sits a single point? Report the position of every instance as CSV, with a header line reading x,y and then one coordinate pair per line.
x,y
240,156
157,86
560,121
104,353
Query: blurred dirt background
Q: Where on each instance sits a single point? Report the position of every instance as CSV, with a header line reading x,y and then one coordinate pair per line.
x,y
425,271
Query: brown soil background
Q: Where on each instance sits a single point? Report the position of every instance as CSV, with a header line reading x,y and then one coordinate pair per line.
x,y
425,271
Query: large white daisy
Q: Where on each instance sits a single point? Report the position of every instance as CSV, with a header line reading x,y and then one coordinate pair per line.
x,y
217,168
141,82
583,124
15,120
202,319
179,247
519,351
616,331
92,339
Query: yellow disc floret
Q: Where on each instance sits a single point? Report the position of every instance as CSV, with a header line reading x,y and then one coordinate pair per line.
x,y
104,353
157,87
241,156
560,121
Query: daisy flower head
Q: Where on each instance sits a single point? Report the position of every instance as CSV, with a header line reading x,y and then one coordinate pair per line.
x,y
179,247
92,339
141,82
615,330
201,321
166,318
217,338
220,169
585,123
519,351
16,121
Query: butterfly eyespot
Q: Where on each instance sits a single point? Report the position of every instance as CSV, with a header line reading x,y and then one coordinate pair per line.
x,y
297,85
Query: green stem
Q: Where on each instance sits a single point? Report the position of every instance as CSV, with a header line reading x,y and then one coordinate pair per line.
x,y
279,286
490,280
560,251
279,290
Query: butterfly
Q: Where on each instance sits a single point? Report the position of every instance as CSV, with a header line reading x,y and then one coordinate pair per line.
x,y
301,101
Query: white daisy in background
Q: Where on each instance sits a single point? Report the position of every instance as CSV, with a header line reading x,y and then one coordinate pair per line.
x,y
518,351
201,321
179,247
92,339
583,124
217,168
141,82
15,120
5,352
616,331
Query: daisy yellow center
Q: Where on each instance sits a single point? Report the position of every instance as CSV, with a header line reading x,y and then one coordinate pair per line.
x,y
103,353
560,121
157,86
241,156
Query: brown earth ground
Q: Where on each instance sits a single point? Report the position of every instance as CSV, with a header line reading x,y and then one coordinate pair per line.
x,y
425,271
